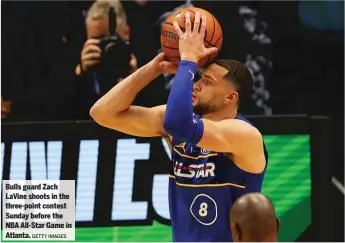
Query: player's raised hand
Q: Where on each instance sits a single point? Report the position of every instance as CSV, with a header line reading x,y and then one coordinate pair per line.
x,y
191,42
162,65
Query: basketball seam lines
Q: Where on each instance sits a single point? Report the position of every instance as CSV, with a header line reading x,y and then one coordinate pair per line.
x,y
218,40
191,10
214,30
171,48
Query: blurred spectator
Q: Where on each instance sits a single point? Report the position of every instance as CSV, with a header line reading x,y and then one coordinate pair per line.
x,y
97,25
105,58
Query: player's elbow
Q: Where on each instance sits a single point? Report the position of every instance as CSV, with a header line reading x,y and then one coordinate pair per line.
x,y
97,113
94,112
104,116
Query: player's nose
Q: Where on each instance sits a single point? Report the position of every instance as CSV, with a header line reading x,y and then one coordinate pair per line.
x,y
196,87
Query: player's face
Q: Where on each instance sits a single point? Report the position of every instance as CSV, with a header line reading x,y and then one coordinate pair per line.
x,y
210,92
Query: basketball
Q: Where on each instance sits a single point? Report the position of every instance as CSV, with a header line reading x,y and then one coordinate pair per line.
x,y
169,38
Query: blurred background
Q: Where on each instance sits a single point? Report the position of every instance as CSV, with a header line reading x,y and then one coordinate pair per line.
x,y
294,49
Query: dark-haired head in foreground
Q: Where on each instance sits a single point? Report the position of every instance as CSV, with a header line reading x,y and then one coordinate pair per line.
x,y
253,218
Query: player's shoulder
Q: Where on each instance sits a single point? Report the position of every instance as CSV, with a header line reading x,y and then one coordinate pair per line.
x,y
246,135
242,118
242,125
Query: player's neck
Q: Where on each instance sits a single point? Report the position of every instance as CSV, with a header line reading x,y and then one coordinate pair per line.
x,y
221,114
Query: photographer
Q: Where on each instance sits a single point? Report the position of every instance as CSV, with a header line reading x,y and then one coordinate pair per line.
x,y
106,57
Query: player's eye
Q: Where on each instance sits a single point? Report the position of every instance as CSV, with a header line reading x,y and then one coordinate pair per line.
x,y
207,82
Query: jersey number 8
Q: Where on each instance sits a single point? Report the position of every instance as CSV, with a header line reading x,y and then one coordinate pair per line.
x,y
203,209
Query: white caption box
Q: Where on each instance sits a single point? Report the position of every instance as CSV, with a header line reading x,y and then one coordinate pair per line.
x,y
38,210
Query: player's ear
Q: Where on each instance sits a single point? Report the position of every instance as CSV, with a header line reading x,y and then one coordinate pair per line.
x,y
231,98
278,224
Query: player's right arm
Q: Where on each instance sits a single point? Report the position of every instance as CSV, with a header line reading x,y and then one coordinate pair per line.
x,y
114,109
136,121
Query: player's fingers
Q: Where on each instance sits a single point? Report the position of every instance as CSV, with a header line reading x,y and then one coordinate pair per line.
x,y
203,27
188,23
196,22
211,50
168,67
160,57
171,69
178,29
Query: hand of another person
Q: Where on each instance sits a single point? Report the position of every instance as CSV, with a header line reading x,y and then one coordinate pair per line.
x,y
5,108
90,54
191,42
162,65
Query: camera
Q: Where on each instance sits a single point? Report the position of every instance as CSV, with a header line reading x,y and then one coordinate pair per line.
x,y
116,52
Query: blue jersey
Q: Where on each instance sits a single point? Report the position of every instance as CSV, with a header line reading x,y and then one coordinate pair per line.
x,y
203,185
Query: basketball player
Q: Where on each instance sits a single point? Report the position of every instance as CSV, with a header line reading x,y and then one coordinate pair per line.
x,y
217,154
252,218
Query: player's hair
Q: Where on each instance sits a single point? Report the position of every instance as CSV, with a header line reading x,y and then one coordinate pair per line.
x,y
100,9
239,75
